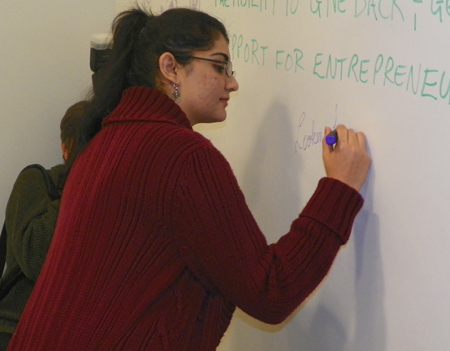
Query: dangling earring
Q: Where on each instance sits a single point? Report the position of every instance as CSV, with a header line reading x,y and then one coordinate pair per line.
x,y
176,94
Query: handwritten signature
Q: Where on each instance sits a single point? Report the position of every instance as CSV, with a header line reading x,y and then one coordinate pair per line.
x,y
307,135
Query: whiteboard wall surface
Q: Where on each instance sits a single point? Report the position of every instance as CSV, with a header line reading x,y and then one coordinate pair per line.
x,y
379,66
44,68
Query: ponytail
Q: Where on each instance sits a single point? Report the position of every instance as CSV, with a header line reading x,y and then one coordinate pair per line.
x,y
113,78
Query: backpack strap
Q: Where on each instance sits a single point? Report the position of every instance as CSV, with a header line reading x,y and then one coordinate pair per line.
x,y
52,192
2,249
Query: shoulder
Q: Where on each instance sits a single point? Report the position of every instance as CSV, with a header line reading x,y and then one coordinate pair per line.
x,y
32,177
203,156
198,145
29,187
184,141
32,173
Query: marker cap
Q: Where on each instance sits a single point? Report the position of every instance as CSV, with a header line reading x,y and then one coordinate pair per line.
x,y
331,138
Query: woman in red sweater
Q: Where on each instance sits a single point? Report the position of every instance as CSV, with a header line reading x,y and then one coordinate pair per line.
x,y
155,245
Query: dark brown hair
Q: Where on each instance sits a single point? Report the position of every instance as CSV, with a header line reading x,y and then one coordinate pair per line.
x,y
70,123
70,129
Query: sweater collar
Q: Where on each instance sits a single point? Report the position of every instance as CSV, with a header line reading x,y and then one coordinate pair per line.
x,y
142,104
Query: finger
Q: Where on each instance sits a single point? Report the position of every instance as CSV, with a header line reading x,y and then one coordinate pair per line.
x,y
342,133
361,139
352,139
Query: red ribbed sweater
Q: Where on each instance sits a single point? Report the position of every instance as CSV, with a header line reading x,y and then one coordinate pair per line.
x,y
155,245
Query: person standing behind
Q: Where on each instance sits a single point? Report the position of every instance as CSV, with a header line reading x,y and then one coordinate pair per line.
x,y
155,244
30,219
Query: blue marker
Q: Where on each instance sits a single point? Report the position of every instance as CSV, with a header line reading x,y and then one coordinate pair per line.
x,y
332,138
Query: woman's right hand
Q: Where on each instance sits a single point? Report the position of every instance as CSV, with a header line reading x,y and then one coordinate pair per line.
x,y
348,160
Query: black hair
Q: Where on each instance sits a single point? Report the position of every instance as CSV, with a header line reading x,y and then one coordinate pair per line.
x,y
139,38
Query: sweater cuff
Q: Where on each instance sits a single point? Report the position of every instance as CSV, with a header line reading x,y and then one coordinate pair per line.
x,y
335,205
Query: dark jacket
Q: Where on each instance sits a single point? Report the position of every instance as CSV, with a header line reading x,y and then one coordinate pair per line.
x,y
30,222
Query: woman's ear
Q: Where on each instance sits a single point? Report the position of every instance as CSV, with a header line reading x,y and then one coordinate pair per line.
x,y
65,151
168,65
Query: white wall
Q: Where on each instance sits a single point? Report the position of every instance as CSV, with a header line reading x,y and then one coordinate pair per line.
x,y
44,68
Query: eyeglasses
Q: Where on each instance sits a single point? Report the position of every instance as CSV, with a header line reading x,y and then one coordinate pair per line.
x,y
227,65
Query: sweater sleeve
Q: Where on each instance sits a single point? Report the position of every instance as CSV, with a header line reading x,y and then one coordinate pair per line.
x,y
223,246
30,221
